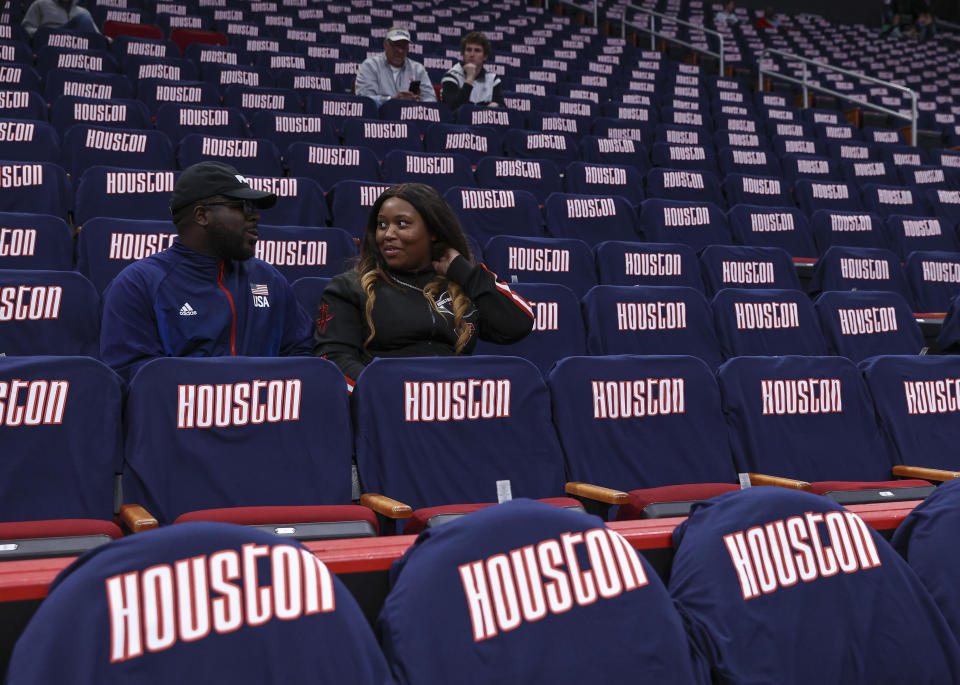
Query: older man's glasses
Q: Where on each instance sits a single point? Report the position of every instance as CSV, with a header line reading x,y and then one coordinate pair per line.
x,y
245,206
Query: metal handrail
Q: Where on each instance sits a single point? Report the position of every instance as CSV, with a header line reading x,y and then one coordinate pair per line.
x,y
807,86
654,34
582,8
948,24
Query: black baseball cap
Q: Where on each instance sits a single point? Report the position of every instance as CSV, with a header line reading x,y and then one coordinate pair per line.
x,y
206,179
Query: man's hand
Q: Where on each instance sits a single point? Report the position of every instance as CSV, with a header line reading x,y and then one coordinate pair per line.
x,y
471,71
407,95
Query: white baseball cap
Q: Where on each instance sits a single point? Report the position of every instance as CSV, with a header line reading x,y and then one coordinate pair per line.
x,y
397,33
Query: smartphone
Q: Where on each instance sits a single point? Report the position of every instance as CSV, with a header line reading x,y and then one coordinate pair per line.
x,y
415,87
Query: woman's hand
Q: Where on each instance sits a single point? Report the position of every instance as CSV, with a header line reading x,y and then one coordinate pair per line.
x,y
441,264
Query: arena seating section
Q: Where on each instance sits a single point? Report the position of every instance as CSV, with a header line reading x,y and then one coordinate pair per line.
x,y
725,280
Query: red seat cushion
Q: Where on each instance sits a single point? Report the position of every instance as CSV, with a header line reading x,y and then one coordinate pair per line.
x,y
58,528
265,516
418,521
670,493
824,486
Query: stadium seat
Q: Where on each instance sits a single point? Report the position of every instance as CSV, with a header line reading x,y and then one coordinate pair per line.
x,y
605,407
178,120
934,279
907,234
735,573
420,115
617,151
538,176
302,251
300,201
35,241
474,143
685,157
106,245
62,446
560,148
499,118
86,85
305,624
747,161
944,204
440,171
138,68
154,93
500,443
48,313
851,229
284,129
328,164
308,290
557,328
696,224
255,156
783,227
591,218
948,340
427,592
888,200
485,213
29,141
124,193
253,100
22,104
382,136
730,266
68,111
814,195
684,186
868,171
35,187
635,263
584,178
766,321
859,268
812,419
87,146
649,319
350,203
340,107
865,323
769,191
184,415
564,261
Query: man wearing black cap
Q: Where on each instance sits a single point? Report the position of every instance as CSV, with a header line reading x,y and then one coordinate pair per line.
x,y
393,74
206,295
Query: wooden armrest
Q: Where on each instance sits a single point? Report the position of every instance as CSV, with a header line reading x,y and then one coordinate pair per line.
x,y
763,479
597,493
924,473
387,506
136,518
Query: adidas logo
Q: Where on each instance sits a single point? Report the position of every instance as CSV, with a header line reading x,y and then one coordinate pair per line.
x,y
187,310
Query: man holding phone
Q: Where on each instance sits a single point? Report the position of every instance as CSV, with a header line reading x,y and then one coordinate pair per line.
x,y
393,74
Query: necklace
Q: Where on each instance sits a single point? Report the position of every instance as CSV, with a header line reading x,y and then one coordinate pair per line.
x,y
404,283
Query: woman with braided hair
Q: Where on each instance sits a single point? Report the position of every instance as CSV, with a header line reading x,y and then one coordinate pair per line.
x,y
415,291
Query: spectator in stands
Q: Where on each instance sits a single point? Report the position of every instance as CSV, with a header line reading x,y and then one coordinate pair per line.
x,y
65,14
893,28
727,15
393,74
469,81
415,290
206,295
768,20
925,27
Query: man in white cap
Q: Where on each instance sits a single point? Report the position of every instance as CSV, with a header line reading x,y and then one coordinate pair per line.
x,y
393,74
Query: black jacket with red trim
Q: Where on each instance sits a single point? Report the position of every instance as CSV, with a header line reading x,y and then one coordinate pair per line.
x,y
406,325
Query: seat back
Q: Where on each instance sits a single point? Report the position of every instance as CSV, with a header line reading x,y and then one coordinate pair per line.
x,y
538,176
61,419
300,201
859,268
696,224
584,178
302,608
108,191
784,227
888,200
28,141
802,417
308,290
934,278
350,203
736,266
738,569
629,421
328,164
632,263
68,111
907,234
35,241
185,417
813,195
485,213
427,592
650,319
474,143
87,146
856,229
247,155
685,186
48,313
439,171
770,191
382,136
861,324
301,251
434,431
178,120
564,261
560,148
107,245
557,327
591,218
766,321
917,401
35,187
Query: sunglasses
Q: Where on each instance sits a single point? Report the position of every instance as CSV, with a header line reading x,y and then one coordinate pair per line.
x,y
246,206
